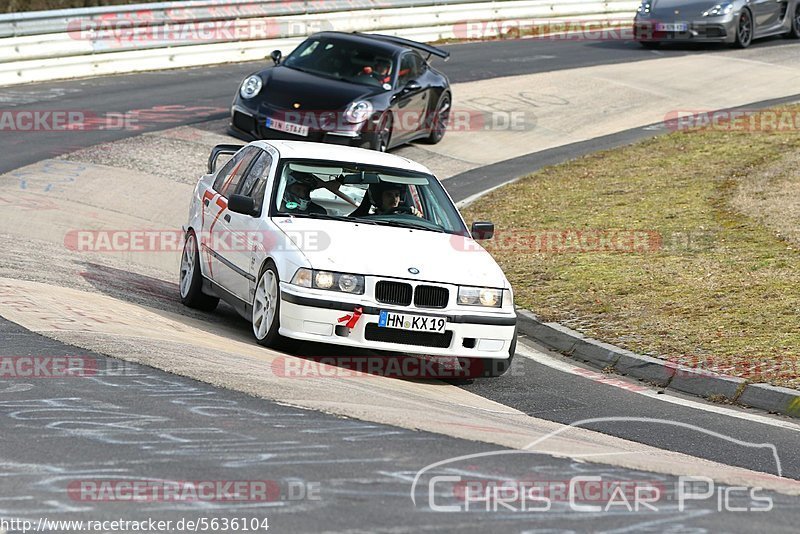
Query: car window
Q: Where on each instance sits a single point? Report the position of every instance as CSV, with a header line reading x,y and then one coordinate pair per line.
x,y
256,182
343,59
230,175
368,194
409,68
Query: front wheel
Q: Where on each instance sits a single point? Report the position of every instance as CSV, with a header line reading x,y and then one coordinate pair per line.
x,y
267,309
794,33
744,30
191,281
383,134
439,120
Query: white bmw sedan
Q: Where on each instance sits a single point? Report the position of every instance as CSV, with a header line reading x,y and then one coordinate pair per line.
x,y
344,246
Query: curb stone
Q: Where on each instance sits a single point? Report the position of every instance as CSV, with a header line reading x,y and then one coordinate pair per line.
x,y
659,372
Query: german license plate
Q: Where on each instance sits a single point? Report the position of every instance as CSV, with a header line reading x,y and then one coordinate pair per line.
x,y
671,27
288,127
407,321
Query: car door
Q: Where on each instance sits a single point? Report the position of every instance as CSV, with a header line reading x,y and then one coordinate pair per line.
x,y
216,240
765,14
249,232
411,101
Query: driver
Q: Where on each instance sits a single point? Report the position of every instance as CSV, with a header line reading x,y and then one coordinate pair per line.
x,y
381,71
297,195
385,198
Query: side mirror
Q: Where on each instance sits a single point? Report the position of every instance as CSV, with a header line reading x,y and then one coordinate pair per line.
x,y
482,230
412,86
276,56
243,204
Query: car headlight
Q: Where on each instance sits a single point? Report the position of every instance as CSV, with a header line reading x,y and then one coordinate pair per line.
x,y
719,10
644,8
358,111
480,296
251,86
344,282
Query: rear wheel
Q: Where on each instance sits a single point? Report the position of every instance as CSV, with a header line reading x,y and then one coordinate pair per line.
x,y
191,280
744,30
266,317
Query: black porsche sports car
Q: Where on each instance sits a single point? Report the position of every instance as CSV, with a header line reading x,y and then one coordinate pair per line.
x,y
366,90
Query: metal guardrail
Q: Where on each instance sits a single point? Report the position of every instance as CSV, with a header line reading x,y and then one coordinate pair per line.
x,y
59,21
48,45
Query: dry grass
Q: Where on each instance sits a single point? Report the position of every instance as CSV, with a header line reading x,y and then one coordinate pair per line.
x,y
723,290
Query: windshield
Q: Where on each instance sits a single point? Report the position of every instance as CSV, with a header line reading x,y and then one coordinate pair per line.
x,y
343,60
367,194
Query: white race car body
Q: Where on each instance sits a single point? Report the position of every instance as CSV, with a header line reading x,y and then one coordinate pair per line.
x,y
391,262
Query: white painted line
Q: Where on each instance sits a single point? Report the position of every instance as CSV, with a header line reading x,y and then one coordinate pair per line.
x,y
633,387
472,198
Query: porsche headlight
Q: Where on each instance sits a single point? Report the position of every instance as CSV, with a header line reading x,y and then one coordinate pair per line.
x,y
251,86
719,10
644,8
358,111
480,296
344,282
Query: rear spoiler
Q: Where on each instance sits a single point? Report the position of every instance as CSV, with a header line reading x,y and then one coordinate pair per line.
x,y
430,50
219,150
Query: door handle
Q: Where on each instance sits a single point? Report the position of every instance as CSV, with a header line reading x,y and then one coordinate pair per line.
x,y
227,218
205,201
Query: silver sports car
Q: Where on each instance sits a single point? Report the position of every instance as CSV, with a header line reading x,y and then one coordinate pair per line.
x,y
737,22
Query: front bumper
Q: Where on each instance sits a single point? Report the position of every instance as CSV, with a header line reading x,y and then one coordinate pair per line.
x,y
711,30
311,317
251,125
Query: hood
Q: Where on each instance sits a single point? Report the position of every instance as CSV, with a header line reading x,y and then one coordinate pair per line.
x,y
380,250
688,10
284,86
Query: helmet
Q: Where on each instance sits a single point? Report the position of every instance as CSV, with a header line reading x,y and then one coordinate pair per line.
x,y
294,201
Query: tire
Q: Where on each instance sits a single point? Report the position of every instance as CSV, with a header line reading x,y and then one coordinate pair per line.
x,y
794,33
439,120
491,367
382,136
266,316
744,30
191,279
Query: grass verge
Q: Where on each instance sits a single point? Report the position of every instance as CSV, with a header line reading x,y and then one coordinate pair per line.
x,y
711,276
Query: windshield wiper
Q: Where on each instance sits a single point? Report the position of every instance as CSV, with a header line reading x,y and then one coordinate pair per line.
x,y
411,225
325,216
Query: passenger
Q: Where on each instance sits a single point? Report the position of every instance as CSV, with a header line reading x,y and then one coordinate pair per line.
x,y
297,195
